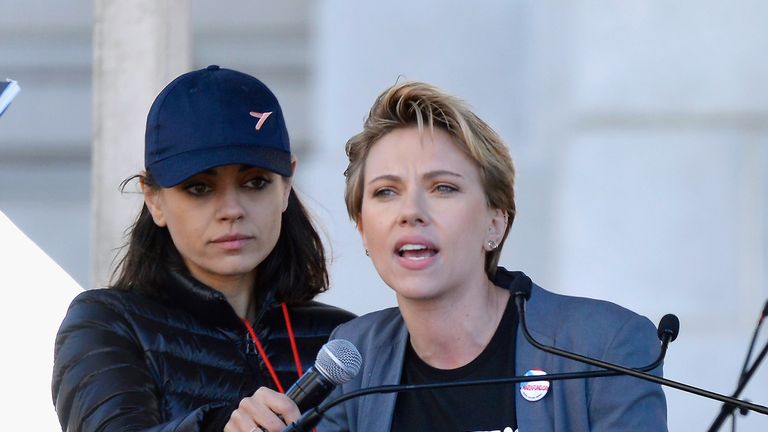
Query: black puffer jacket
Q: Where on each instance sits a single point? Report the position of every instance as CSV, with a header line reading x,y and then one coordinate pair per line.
x,y
124,361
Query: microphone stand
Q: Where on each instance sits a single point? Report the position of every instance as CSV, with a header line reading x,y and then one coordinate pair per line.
x,y
727,409
520,298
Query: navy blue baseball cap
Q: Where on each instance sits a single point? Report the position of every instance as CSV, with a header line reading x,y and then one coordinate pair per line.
x,y
213,117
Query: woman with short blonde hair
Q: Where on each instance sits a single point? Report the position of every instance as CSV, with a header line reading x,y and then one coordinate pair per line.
x,y
430,188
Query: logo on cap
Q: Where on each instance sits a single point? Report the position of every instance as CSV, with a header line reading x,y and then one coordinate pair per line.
x,y
262,118
534,390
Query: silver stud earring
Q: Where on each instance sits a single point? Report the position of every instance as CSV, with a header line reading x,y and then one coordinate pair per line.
x,y
367,253
492,244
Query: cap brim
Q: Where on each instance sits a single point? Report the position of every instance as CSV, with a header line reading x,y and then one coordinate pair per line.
x,y
171,171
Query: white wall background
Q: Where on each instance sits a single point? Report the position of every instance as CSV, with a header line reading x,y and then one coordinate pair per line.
x,y
640,133
639,130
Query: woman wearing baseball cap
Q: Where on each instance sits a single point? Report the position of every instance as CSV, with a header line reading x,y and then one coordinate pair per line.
x,y
213,298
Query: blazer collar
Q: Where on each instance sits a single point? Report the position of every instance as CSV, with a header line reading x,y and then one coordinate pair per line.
x,y
373,408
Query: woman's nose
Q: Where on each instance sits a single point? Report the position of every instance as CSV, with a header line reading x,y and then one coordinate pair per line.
x,y
413,210
230,206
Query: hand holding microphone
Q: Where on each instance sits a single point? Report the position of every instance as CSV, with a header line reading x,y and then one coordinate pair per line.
x,y
337,362
265,410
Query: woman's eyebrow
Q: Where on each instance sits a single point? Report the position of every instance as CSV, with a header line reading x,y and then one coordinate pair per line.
x,y
390,177
438,173
429,175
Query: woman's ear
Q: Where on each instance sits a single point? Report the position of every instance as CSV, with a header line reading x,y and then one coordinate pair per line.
x,y
153,201
497,226
359,226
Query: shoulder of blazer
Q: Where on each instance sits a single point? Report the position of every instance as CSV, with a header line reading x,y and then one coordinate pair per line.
x,y
373,329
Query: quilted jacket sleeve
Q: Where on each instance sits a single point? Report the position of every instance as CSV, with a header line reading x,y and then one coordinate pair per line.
x,y
101,381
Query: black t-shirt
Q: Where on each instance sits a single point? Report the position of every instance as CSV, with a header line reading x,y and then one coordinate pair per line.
x,y
475,408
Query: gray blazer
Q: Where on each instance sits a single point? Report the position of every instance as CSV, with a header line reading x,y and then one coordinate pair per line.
x,y
589,327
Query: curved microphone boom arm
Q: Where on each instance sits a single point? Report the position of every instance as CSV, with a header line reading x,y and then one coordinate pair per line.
x,y
522,295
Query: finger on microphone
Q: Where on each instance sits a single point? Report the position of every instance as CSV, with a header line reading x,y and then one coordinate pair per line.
x,y
279,404
239,421
268,409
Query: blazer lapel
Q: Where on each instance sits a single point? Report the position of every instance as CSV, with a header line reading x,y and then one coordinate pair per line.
x,y
533,415
376,411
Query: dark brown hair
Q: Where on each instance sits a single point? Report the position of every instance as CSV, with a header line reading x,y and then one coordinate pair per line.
x,y
295,269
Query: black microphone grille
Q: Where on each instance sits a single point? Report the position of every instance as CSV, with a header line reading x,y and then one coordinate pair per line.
x,y
338,361
669,324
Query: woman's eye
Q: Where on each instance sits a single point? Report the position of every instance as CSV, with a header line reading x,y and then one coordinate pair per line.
x,y
444,188
257,183
198,189
383,193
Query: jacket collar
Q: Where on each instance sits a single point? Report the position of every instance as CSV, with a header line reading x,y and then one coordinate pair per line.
x,y
206,303
514,281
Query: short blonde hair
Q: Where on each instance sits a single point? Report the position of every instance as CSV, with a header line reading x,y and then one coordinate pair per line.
x,y
415,103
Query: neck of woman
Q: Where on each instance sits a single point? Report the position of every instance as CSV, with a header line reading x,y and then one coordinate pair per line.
x,y
451,331
238,291
242,301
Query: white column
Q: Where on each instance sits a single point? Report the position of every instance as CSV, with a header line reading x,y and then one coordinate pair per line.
x,y
139,46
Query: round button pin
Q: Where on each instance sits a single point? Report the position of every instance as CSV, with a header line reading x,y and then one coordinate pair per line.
x,y
534,390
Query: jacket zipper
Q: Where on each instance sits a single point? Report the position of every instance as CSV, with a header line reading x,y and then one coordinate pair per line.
x,y
250,347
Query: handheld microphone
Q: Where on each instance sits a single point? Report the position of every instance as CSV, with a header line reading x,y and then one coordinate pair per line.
x,y
522,292
337,362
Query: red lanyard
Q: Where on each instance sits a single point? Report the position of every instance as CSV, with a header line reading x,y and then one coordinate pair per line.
x,y
263,354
